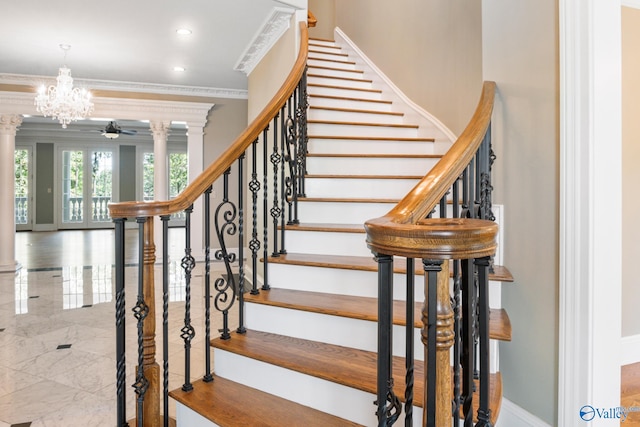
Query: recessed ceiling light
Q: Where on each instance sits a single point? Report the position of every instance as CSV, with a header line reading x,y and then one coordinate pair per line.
x,y
178,69
184,31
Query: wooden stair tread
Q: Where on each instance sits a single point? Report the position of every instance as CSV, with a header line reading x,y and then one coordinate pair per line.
x,y
320,39
346,79
340,123
358,89
224,402
347,98
338,61
326,53
345,200
365,263
377,156
355,110
319,67
342,365
376,138
362,308
326,176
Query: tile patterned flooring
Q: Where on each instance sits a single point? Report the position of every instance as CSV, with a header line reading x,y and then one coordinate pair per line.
x,y
57,329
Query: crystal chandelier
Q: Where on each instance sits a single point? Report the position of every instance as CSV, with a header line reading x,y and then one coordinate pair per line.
x,y
63,101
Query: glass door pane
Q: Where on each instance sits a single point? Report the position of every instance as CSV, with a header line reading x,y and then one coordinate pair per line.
x,y
147,177
101,186
22,205
72,187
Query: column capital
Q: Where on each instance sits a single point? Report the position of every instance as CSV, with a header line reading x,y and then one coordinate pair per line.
x,y
9,123
160,128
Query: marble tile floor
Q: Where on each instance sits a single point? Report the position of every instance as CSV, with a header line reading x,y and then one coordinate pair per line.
x,y
57,331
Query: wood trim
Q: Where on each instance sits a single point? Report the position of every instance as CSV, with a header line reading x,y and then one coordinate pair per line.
x,y
230,155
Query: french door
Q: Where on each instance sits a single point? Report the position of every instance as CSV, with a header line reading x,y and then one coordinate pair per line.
x,y
87,187
23,198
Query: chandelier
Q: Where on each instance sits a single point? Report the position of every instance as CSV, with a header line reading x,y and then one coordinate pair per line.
x,y
63,101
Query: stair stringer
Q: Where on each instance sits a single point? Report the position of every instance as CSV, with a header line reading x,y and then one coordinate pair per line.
x,y
429,124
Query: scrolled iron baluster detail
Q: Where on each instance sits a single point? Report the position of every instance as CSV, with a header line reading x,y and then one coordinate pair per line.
x,y
275,158
207,285
484,412
241,329
165,318
140,312
254,243
301,119
265,210
121,370
187,333
224,220
283,190
409,350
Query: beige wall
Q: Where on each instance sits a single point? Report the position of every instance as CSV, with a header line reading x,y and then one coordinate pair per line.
x,y
630,170
431,49
520,44
324,11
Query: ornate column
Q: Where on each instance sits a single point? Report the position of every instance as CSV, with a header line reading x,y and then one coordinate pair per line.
x,y
195,154
8,126
160,132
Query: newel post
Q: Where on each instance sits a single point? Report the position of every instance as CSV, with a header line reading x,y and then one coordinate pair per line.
x,y
438,337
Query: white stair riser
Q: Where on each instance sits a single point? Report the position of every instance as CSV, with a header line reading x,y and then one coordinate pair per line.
x,y
335,129
186,417
331,64
367,188
315,242
329,48
330,56
369,166
322,70
346,146
341,212
326,396
326,80
357,104
354,282
344,92
353,116
343,331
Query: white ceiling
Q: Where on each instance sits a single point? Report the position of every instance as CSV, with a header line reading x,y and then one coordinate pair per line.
x,y
122,42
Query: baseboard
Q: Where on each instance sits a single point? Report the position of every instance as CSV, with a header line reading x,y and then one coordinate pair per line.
x,y
512,415
630,347
44,227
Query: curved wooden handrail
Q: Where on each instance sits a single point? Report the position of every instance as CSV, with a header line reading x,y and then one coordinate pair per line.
x,y
402,231
198,186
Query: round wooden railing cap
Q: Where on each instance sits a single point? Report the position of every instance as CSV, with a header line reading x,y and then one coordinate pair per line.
x,y
433,238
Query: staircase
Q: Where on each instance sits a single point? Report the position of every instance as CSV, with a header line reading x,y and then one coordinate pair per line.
x,y
309,355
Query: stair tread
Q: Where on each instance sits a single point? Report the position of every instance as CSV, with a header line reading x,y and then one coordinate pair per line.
x,y
343,123
355,110
347,98
319,67
326,53
365,263
346,79
342,365
363,308
389,156
358,89
224,402
313,58
336,176
376,138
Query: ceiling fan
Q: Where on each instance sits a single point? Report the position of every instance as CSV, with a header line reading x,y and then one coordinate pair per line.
x,y
112,131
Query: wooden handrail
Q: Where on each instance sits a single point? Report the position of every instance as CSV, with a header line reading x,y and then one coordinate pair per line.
x,y
198,186
403,230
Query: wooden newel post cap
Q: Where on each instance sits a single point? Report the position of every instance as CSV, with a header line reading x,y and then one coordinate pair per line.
x,y
433,238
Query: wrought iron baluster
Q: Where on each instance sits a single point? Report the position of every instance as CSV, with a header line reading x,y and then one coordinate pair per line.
x,y
241,261
484,413
207,285
284,190
301,118
409,352
388,404
187,331
165,318
254,244
121,366
455,305
468,350
224,218
140,312
431,268
275,209
265,211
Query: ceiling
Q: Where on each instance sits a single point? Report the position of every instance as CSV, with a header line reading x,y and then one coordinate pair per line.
x,y
121,45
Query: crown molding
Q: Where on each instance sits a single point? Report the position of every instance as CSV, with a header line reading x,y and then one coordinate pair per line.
x,y
273,28
110,85
631,3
